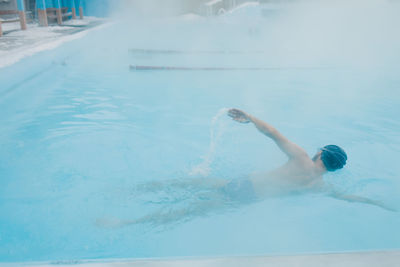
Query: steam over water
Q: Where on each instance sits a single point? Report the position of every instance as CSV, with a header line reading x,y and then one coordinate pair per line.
x,y
87,141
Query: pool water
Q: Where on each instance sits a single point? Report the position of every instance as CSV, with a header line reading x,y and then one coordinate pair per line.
x,y
83,138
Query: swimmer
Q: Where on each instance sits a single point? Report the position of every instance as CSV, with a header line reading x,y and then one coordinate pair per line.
x,y
300,173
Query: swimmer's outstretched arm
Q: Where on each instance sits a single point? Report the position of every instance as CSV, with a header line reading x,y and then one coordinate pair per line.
x,y
289,148
358,199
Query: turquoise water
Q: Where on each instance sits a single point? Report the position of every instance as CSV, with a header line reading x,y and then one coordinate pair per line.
x,y
81,134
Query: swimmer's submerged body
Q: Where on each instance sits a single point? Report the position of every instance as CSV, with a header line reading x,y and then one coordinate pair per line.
x,y
300,174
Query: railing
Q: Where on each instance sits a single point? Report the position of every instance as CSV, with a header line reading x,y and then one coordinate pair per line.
x,y
57,13
9,19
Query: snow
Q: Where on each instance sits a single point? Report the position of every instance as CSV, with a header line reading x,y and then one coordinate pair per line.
x,y
10,26
80,22
18,44
190,16
213,2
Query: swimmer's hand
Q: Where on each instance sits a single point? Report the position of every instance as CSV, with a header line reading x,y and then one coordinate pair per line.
x,y
238,115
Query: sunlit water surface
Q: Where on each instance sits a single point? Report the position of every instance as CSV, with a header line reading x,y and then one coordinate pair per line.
x,y
80,132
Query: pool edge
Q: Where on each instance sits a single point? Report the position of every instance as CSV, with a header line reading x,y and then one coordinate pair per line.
x,y
387,258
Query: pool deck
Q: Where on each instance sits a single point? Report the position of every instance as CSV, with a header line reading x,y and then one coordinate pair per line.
x,y
16,44
354,259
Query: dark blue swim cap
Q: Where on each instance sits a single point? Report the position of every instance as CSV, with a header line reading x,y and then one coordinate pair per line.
x,y
333,157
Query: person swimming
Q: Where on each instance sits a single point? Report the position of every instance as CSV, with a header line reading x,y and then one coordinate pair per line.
x,y
299,174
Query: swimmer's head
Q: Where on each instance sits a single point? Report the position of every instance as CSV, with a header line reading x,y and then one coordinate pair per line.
x,y
332,156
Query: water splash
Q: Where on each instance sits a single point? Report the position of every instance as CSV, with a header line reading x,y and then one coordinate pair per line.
x,y
218,128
